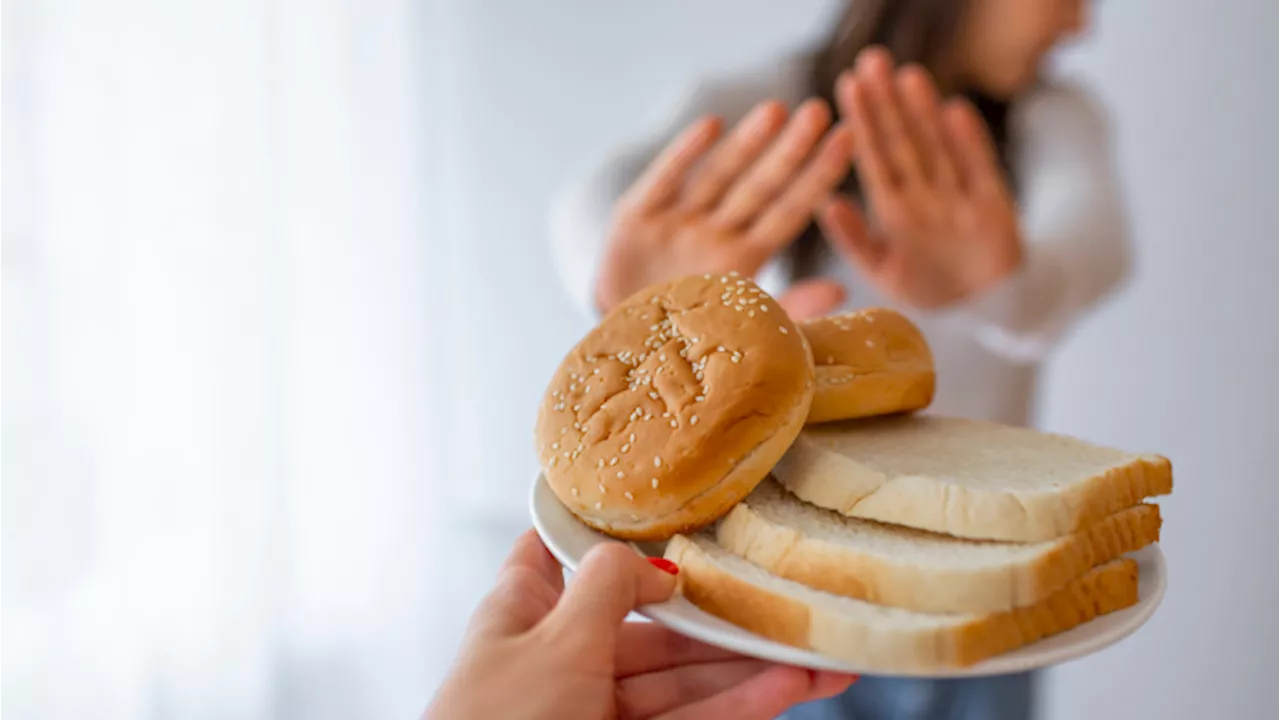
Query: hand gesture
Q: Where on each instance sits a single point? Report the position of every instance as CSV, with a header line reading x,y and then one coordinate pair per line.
x,y
712,205
536,650
943,225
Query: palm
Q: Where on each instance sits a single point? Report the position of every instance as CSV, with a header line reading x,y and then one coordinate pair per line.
x,y
713,206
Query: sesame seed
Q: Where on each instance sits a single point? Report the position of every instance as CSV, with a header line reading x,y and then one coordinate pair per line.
x,y
648,416
552,462
736,358
621,474
662,357
693,419
635,516
719,348
597,506
751,313
572,387
628,495
566,453
576,408
707,276
564,430
626,447
653,395
600,464
674,423
574,490
657,461
555,446
613,461
632,438
733,273
870,343
654,483
784,330
699,398
764,308
600,487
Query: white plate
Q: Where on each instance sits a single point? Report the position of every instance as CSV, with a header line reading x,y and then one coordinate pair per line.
x,y
569,540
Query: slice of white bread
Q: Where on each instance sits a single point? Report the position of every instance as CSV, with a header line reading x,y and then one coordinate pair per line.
x,y
967,478
914,569
878,638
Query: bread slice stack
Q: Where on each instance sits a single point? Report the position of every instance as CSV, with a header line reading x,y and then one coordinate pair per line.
x,y
914,543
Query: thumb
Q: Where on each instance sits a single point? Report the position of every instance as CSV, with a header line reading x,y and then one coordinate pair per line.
x,y
612,581
845,226
812,298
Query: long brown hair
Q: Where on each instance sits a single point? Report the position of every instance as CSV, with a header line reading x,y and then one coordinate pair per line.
x,y
914,31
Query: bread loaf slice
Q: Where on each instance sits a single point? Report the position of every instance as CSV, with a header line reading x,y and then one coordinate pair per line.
x,y
914,569
967,478
878,638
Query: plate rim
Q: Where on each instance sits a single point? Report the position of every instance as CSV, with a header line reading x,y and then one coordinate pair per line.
x,y
673,614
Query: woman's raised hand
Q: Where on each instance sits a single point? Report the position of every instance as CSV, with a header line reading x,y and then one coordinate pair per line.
x,y
943,226
713,204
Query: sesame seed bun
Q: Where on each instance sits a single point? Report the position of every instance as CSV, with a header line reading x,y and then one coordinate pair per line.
x,y
868,362
674,407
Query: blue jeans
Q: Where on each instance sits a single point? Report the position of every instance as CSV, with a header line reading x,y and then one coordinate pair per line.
x,y
1006,697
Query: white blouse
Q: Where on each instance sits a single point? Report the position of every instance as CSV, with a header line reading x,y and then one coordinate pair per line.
x,y
986,350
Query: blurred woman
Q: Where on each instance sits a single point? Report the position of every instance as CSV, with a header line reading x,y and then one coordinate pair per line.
x,y
917,160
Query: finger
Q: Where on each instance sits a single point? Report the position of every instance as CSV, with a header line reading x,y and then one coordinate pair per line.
x,y
655,693
845,227
787,216
920,98
971,145
529,552
612,581
830,684
875,171
812,298
765,695
734,154
661,181
892,134
770,174
528,585
649,647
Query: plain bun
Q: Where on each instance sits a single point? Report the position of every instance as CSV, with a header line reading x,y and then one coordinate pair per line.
x,y
674,407
869,362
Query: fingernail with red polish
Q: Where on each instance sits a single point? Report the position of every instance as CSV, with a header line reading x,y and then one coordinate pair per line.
x,y
664,565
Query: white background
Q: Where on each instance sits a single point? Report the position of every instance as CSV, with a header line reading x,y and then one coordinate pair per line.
x,y
278,307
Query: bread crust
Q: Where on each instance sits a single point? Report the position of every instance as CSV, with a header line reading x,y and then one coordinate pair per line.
x,y
936,587
674,407
831,480
882,647
868,362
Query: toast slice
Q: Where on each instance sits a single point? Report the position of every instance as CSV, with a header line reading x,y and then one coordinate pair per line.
x,y
878,638
967,478
914,569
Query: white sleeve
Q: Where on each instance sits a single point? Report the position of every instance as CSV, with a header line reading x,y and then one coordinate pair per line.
x,y
1075,231
583,210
